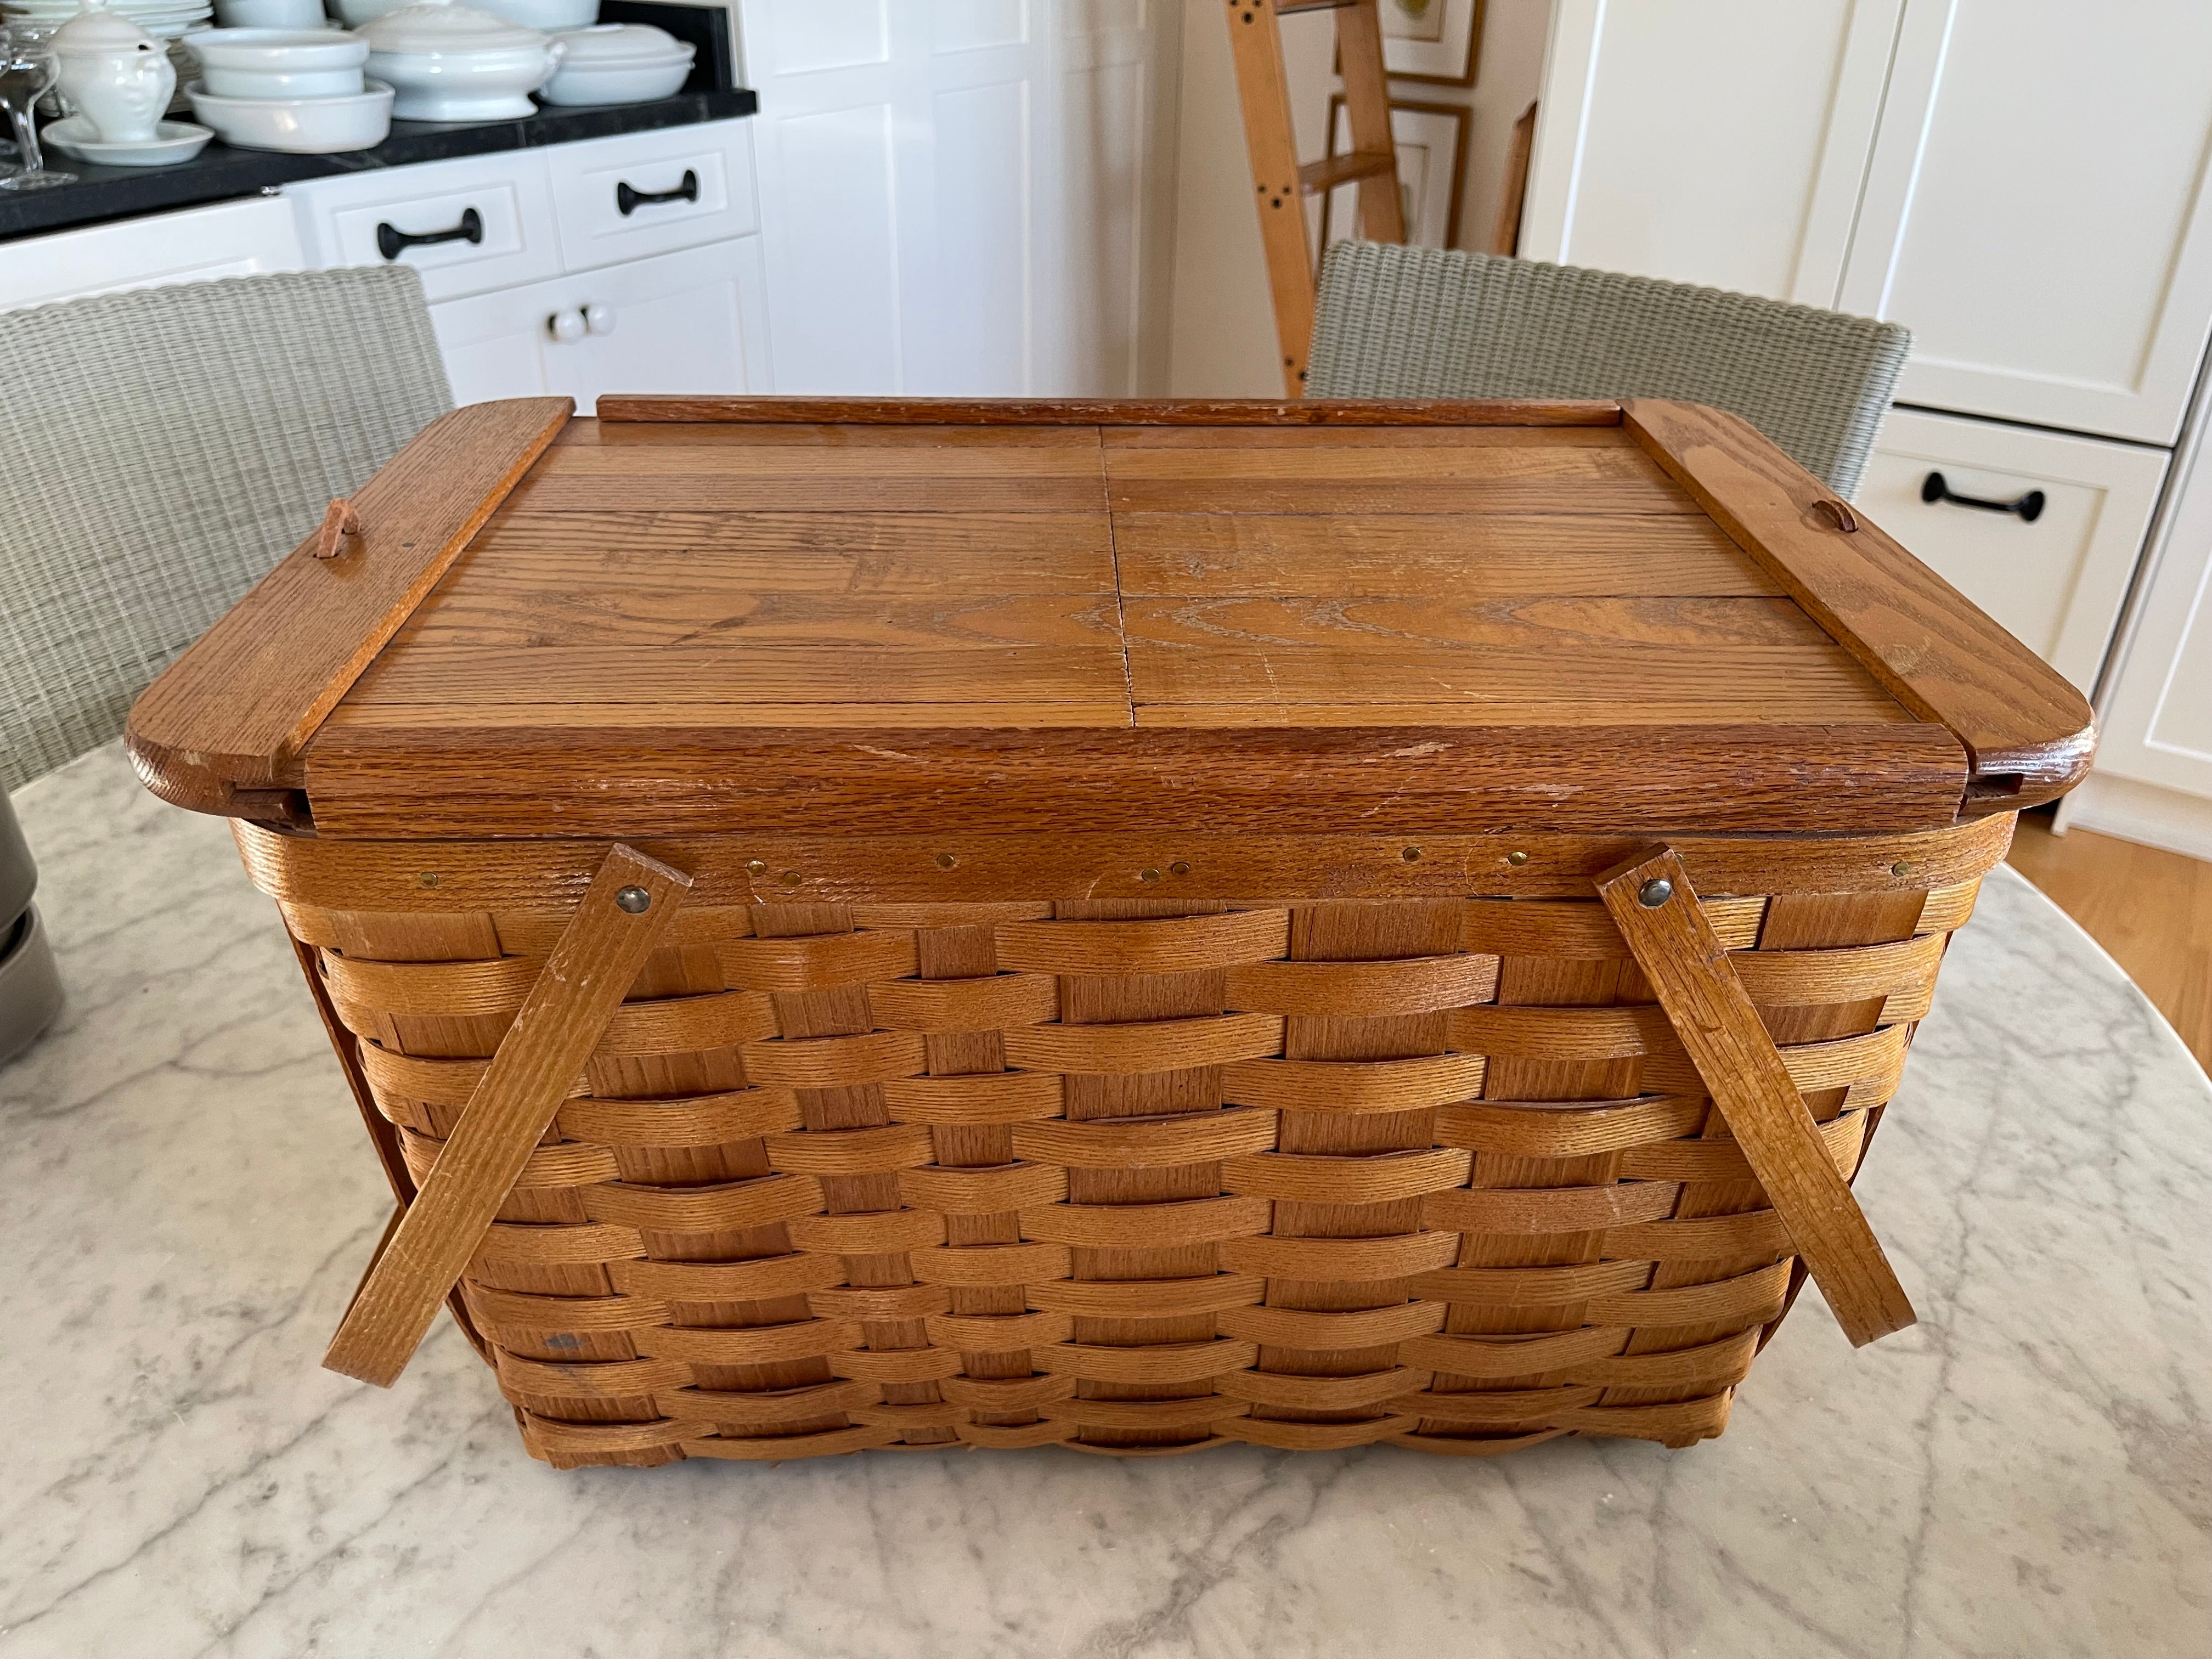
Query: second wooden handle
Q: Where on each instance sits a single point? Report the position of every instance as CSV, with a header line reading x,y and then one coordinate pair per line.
x,y
594,963
1657,912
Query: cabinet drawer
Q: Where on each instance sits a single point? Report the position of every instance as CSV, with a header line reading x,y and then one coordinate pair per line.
x,y
513,241
2057,582
690,321
704,175
238,239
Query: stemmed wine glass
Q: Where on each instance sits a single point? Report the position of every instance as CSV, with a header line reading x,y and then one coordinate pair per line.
x,y
28,68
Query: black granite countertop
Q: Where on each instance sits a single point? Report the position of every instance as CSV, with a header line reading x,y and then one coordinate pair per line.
x,y
220,172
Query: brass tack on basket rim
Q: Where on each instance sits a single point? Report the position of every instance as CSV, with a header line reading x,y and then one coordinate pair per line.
x,y
1411,854
1654,893
789,878
755,867
1179,868
1148,875
428,878
945,860
633,901
1900,868
1516,860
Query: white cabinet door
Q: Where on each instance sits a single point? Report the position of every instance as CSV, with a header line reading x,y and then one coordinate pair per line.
x,y
502,346
683,322
2035,211
236,238
2157,718
968,197
1720,142
2057,582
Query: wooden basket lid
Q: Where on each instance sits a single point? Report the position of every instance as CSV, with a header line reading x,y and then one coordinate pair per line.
x,y
817,615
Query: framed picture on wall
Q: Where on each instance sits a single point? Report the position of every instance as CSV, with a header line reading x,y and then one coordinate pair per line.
x,y
1431,144
1432,40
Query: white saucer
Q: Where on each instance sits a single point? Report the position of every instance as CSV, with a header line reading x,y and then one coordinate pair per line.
x,y
173,141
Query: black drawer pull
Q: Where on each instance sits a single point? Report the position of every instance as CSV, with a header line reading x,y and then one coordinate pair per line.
x,y
393,243
629,201
2029,507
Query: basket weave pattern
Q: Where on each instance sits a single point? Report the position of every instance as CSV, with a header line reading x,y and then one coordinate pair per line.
x,y
1132,1176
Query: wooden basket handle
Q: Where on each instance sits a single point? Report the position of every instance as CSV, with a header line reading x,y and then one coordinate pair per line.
x,y
1657,912
594,963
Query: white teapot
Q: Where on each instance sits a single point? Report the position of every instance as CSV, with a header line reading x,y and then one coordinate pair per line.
x,y
115,74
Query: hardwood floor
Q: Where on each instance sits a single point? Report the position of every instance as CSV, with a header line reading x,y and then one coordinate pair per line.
x,y
2151,909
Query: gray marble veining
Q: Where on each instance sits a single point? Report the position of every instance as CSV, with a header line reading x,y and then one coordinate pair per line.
x,y
188,1203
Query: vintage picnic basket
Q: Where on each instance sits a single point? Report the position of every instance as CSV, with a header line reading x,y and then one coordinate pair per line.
x,y
1125,926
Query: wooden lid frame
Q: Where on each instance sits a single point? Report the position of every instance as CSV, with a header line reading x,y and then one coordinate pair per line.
x,y
237,725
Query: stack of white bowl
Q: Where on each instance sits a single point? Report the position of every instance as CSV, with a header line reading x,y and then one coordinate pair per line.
x,y
165,19
300,90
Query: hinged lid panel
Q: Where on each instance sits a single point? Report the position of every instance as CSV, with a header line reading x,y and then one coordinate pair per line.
x,y
802,616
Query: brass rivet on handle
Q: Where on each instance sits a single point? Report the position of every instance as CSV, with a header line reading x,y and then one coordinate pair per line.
x,y
1411,854
634,901
428,878
1179,868
1516,860
945,860
1654,893
1900,868
790,879
1148,875
755,867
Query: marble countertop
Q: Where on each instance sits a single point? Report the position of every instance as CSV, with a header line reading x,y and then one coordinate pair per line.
x,y
189,1202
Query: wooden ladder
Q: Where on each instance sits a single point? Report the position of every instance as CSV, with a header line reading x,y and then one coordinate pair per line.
x,y
1282,186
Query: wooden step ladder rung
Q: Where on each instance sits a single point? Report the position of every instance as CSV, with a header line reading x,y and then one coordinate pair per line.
x,y
1315,177
1280,184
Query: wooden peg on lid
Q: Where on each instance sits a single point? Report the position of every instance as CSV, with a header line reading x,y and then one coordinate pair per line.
x,y
341,524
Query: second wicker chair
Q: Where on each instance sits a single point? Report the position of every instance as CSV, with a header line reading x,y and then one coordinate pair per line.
x,y
1413,322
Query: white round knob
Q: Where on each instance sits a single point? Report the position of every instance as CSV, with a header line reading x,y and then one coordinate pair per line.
x,y
600,319
566,326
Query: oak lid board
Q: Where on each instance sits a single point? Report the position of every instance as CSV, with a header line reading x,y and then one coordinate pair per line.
x,y
830,615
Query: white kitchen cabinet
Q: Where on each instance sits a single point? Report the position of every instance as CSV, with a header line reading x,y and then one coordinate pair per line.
x,y
2153,780
691,321
1707,141
557,289
2019,182
2022,184
2057,582
2035,211
968,197
231,238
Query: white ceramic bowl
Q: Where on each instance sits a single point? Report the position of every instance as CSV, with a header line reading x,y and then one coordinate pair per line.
x,y
454,62
618,83
269,13
353,13
300,126
546,16
478,86
282,83
279,63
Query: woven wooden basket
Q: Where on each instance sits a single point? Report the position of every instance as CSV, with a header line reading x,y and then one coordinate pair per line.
x,y
1132,1176
1127,926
